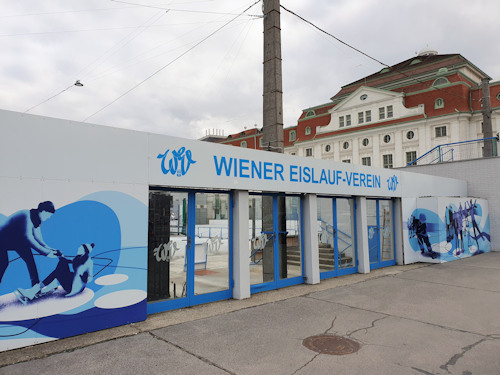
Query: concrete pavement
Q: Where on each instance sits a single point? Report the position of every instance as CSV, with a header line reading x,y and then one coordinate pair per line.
x,y
415,319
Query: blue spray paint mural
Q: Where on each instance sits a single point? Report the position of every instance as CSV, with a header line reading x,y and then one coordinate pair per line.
x,y
72,269
461,230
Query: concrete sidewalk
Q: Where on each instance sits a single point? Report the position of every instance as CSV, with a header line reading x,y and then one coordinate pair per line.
x,y
416,319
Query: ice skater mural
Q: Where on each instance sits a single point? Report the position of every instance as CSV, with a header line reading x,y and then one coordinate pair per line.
x,y
91,256
461,230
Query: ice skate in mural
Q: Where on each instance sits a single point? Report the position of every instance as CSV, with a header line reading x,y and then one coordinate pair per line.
x,y
60,270
72,274
463,230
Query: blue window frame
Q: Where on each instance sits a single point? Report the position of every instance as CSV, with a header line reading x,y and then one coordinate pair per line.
x,y
381,230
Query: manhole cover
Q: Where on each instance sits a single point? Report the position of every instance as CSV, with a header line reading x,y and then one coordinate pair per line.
x,y
333,345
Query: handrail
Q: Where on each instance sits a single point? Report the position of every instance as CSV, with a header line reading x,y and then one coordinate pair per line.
x,y
414,162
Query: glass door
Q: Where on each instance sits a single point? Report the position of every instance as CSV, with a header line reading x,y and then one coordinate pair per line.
x,y
380,222
336,236
189,252
275,243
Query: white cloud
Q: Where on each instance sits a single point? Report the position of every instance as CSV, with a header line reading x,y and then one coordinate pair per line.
x,y
219,83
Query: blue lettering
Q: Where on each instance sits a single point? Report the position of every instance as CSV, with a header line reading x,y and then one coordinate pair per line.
x,y
376,181
293,173
312,177
330,180
355,181
339,176
348,177
244,167
256,169
323,177
278,171
369,180
362,178
307,174
268,171
223,164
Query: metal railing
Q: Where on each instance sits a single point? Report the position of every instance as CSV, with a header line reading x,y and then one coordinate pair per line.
x,y
464,150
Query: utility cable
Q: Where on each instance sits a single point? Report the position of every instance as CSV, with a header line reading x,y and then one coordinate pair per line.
x,y
171,62
372,58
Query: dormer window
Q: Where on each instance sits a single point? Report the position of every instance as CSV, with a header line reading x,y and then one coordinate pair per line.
x,y
243,144
310,113
308,130
292,135
440,82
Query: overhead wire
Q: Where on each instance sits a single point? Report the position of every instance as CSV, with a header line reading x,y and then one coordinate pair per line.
x,y
171,62
370,57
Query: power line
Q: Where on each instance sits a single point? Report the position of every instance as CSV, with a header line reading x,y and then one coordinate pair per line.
x,y
171,62
372,58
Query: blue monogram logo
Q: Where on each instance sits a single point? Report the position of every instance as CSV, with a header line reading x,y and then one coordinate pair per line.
x,y
179,162
392,183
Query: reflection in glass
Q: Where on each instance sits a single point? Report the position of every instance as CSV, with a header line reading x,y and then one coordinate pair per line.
x,y
261,249
211,246
290,237
167,245
345,233
386,230
326,235
373,230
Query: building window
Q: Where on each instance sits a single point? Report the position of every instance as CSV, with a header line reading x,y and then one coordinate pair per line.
x,y
341,122
387,159
260,142
345,145
309,152
368,116
346,161
365,142
348,120
498,96
292,135
439,103
381,113
361,117
387,138
310,113
292,153
366,161
440,131
411,156
328,148
243,144
389,111
440,82
308,130
410,134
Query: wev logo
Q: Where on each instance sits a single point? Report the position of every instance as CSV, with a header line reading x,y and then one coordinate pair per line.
x,y
392,183
178,161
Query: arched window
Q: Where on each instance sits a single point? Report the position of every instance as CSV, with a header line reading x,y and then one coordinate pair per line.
x,y
439,103
310,113
243,144
292,136
440,82
308,130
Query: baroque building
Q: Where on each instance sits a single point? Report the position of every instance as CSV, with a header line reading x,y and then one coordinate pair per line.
x,y
390,118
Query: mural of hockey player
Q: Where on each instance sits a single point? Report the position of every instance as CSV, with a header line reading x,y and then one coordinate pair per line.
x,y
73,275
22,233
418,228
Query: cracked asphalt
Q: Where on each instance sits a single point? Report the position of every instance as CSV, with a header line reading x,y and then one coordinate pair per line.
x,y
415,319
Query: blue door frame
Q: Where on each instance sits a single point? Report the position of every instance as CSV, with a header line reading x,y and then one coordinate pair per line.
x,y
341,271
374,243
191,299
277,282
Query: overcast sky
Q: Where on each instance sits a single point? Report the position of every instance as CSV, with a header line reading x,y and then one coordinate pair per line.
x,y
182,67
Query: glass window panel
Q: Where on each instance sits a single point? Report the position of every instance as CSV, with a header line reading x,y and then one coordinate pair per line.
x,y
326,234
371,219
345,233
211,245
167,245
386,230
289,237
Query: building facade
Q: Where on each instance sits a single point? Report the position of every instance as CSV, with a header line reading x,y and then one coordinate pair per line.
x,y
392,117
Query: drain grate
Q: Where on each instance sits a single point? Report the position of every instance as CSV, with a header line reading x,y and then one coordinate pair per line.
x,y
333,345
